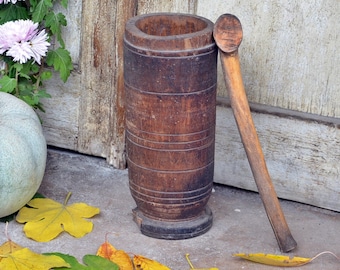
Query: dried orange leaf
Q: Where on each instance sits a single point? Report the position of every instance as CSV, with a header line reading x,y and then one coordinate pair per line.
x,y
275,260
119,257
46,219
106,250
143,263
24,259
122,259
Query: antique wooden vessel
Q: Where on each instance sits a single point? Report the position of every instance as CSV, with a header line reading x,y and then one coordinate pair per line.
x,y
170,93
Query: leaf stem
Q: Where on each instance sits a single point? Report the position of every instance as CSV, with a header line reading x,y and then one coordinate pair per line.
x,y
189,262
325,252
17,85
67,198
6,231
38,77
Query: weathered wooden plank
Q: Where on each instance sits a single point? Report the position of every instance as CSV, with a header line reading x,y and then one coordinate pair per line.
x,y
302,157
97,66
288,54
101,101
152,6
72,32
60,121
116,144
87,113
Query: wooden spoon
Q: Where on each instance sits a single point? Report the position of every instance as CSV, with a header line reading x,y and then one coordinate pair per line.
x,y
228,37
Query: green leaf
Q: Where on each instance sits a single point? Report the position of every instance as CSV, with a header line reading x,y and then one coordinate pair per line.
x,y
26,76
30,100
46,75
33,98
38,195
61,60
26,87
33,3
12,12
18,66
92,262
55,22
41,9
23,71
7,84
64,3
96,262
43,94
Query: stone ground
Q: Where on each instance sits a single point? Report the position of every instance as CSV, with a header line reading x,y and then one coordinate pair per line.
x,y
240,222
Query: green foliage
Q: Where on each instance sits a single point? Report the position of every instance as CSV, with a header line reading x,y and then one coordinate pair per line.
x,y
60,59
8,84
26,80
92,262
12,12
55,22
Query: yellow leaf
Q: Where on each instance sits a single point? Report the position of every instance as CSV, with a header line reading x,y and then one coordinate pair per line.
x,y
46,219
142,263
25,259
8,247
119,257
275,260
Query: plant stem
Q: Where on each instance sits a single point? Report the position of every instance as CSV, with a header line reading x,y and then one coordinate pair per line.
x,y
17,94
67,198
189,262
37,83
325,252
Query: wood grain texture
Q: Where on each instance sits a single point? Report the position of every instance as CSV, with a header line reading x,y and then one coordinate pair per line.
x,y
288,60
60,121
72,32
98,67
289,55
101,99
151,6
228,36
302,157
116,155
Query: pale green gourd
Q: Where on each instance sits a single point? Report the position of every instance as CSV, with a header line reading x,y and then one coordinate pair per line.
x,y
23,153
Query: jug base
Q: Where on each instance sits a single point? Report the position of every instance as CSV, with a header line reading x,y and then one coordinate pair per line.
x,y
173,230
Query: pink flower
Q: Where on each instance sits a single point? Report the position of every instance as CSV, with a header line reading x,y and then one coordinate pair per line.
x,y
39,45
21,52
21,40
16,31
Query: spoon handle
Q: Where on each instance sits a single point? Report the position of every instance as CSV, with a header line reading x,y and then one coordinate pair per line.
x,y
227,26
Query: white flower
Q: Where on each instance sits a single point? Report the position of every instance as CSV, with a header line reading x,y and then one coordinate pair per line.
x,y
9,1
